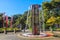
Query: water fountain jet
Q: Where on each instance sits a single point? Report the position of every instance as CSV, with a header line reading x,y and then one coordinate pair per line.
x,y
35,23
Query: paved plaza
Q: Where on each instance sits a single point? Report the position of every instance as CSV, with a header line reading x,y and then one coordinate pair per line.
x,y
9,36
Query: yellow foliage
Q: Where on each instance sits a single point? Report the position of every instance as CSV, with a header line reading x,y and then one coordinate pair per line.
x,y
57,20
58,17
51,20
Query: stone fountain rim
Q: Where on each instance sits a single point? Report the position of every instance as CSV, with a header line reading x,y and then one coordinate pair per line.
x,y
20,36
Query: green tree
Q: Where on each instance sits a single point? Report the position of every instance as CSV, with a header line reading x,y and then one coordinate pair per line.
x,y
51,8
1,20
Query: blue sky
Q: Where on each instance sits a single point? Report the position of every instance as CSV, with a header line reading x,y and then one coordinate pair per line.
x,y
11,7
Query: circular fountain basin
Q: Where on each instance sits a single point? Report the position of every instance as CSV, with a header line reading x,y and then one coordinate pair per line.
x,y
31,35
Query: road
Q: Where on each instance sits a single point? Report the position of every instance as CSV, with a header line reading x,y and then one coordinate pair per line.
x,y
9,36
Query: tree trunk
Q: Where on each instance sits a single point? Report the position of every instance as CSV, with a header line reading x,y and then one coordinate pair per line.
x,y
51,29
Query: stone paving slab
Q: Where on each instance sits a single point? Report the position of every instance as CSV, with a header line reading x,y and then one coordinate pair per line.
x,y
9,36
12,36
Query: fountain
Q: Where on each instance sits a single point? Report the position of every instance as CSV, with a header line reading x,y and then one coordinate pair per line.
x,y
35,24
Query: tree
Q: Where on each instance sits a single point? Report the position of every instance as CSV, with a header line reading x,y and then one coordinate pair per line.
x,y
16,20
20,19
51,21
1,20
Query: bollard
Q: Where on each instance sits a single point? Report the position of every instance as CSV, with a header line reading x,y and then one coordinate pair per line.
x,y
5,32
14,30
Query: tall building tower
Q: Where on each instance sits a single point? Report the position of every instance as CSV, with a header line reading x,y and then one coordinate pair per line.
x,y
35,19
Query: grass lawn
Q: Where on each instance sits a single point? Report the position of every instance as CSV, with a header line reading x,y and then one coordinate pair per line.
x,y
8,29
1,29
